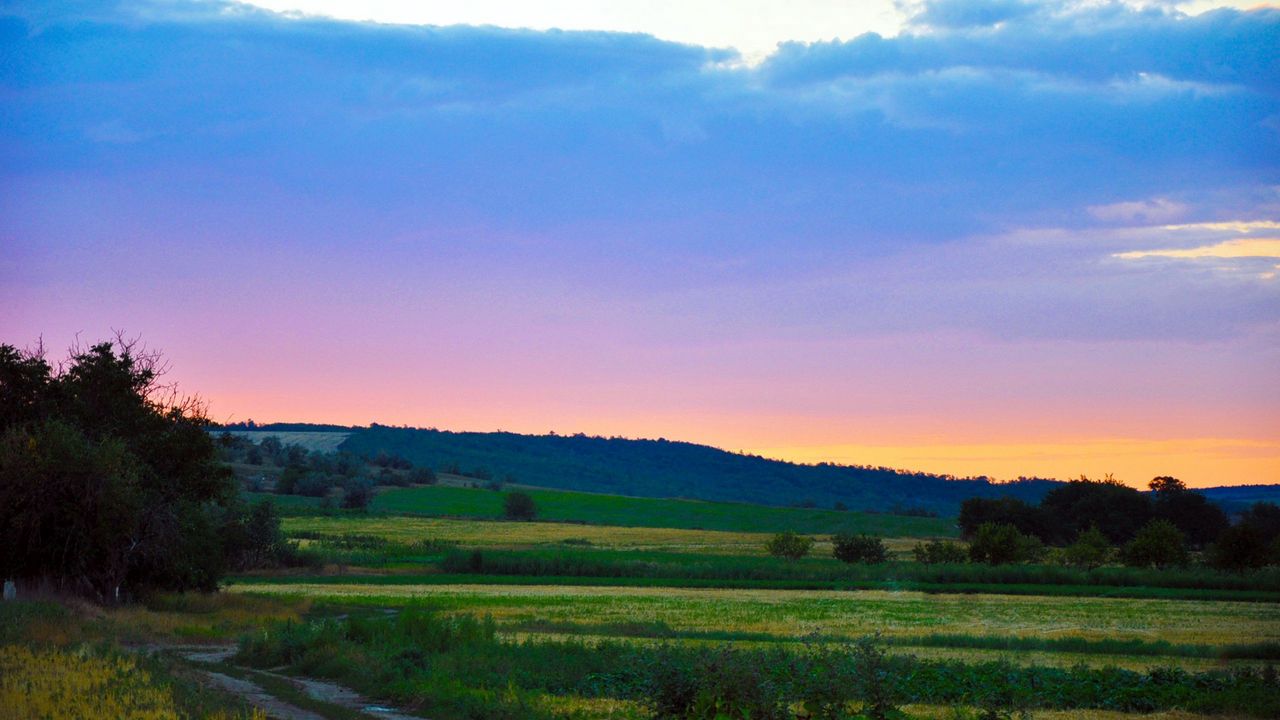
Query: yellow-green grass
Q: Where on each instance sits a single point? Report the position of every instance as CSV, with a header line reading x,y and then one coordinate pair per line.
x,y
499,534
792,613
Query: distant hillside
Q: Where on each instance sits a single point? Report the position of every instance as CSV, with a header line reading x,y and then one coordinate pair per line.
x,y
663,468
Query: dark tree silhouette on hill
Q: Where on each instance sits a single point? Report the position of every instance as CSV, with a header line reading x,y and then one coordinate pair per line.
x,y
519,505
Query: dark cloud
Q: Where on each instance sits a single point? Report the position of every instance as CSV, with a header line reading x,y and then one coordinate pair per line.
x,y
306,132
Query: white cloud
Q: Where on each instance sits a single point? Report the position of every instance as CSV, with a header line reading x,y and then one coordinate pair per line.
x,y
1157,210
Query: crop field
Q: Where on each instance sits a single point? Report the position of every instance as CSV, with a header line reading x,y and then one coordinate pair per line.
x,y
498,534
621,511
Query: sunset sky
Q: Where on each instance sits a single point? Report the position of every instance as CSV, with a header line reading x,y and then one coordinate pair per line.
x,y
990,237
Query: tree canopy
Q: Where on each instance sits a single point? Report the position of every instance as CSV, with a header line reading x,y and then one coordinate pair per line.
x,y
109,483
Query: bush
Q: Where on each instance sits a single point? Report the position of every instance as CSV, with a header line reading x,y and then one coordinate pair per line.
x,y
1089,551
1000,543
789,545
519,505
720,684
1158,544
866,549
357,495
938,551
1239,548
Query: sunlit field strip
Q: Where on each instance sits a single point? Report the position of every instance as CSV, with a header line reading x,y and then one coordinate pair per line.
x,y
497,534
1139,663
798,613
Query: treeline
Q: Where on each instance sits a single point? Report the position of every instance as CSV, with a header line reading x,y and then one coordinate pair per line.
x,y
664,468
1101,521
110,485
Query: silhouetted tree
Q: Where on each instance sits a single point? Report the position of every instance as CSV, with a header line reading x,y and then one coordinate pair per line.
x,y
1199,520
1029,520
939,551
109,481
1159,544
1000,543
519,505
1263,517
1239,547
1115,508
851,548
1089,551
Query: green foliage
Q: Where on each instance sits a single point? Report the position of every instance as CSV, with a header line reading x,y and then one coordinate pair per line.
x,y
108,484
461,667
1089,551
519,505
357,494
1113,507
789,545
997,544
1158,544
866,549
939,551
1240,547
1199,520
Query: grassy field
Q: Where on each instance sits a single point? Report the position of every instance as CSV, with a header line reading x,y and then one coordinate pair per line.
x,y
620,511
796,613
509,535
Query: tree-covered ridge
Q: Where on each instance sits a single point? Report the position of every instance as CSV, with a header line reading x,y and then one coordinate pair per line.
x,y
665,468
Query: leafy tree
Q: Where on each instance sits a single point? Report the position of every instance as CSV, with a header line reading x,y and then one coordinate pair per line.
x,y
1029,520
1159,543
1115,508
1240,547
1001,543
1089,551
939,551
109,481
519,505
860,548
1192,513
272,447
789,545
1265,518
357,494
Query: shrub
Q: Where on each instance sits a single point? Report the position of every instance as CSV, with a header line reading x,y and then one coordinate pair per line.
x,y
1000,543
357,495
422,476
789,545
859,549
720,684
519,505
1089,551
1158,544
938,551
1239,547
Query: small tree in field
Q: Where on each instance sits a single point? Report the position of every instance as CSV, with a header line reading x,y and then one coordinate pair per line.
x,y
789,545
1159,543
938,551
519,505
1000,543
1090,550
859,548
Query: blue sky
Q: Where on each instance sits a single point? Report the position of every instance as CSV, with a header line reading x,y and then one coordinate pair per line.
x,y
820,245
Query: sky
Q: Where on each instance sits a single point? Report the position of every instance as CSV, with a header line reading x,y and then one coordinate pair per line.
x,y
980,238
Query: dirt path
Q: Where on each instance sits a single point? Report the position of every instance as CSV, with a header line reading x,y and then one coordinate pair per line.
x,y
200,657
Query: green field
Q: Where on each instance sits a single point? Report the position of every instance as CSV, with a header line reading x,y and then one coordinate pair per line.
x,y
620,511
